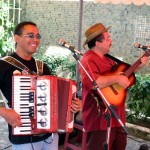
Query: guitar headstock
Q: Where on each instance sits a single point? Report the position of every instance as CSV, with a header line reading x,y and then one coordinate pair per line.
x,y
146,48
147,52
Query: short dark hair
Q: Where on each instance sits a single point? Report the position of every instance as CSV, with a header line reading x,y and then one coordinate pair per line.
x,y
99,38
144,147
19,27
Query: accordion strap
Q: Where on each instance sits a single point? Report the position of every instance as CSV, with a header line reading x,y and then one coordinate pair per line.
x,y
39,66
18,64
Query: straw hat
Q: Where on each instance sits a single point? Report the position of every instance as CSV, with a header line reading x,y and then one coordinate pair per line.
x,y
94,31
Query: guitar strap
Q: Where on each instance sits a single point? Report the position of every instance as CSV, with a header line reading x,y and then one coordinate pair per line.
x,y
18,64
117,60
114,58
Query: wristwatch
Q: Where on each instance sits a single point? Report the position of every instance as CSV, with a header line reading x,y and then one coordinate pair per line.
x,y
2,104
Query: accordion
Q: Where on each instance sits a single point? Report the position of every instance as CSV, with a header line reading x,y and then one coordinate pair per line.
x,y
44,104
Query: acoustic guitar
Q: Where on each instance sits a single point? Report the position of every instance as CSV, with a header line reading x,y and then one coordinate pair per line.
x,y
116,94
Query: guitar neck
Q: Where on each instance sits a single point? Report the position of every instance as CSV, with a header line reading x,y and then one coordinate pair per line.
x,y
131,69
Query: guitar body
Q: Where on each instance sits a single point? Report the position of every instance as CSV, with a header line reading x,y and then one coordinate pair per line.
x,y
115,94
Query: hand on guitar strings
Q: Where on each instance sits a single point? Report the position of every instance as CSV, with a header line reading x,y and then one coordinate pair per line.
x,y
123,81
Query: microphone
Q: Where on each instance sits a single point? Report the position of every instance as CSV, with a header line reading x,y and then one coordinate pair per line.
x,y
65,44
144,47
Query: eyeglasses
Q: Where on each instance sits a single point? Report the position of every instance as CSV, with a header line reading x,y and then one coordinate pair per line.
x,y
32,36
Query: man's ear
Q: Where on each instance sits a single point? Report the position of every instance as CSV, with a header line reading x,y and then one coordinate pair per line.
x,y
16,38
97,43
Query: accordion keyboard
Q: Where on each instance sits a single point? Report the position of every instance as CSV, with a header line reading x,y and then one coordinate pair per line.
x,y
24,103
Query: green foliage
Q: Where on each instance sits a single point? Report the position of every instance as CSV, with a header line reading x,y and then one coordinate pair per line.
x,y
59,62
6,28
71,67
139,99
53,62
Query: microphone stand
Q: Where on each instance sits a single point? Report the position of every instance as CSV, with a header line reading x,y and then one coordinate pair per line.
x,y
110,107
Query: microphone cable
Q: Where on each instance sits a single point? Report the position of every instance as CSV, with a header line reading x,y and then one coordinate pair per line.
x,y
6,147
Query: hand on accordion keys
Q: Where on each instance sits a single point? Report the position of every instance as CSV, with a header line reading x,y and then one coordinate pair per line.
x,y
12,118
76,103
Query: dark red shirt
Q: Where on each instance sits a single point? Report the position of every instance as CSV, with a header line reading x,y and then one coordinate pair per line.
x,y
95,66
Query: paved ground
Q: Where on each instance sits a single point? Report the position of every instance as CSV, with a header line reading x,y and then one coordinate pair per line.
x,y
133,143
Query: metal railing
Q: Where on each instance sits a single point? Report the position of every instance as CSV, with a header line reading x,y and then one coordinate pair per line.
x,y
13,9
9,16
